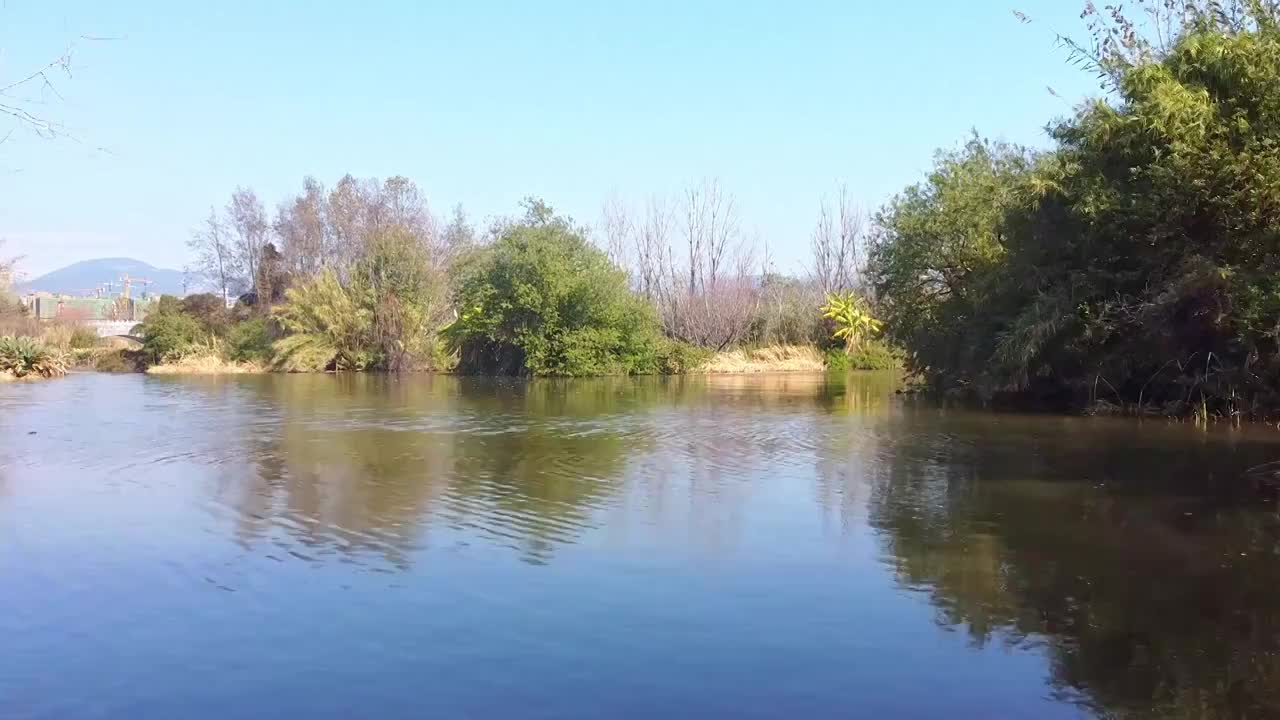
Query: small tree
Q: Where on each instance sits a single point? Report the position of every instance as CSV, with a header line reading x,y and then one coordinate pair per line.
x,y
168,332
544,301
836,244
852,319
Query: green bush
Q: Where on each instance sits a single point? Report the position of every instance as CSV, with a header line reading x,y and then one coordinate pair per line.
x,y
837,359
543,301
1138,257
208,309
326,329
875,355
869,355
119,361
249,341
788,313
83,338
385,317
168,332
675,357
26,357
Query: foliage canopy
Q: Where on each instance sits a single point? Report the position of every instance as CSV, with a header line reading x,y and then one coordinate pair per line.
x,y
542,300
1137,262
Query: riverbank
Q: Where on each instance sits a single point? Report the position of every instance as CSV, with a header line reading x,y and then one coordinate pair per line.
x,y
207,365
770,359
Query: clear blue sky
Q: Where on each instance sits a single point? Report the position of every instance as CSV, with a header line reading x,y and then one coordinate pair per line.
x,y
484,103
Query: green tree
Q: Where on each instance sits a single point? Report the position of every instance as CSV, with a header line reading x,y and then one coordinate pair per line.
x,y
543,301
385,317
168,331
939,252
1137,262
326,329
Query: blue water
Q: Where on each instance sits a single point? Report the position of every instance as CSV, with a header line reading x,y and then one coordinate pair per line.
x,y
768,547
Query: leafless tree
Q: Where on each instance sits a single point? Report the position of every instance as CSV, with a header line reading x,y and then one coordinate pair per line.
x,y
22,95
247,219
710,232
347,216
25,94
216,260
302,228
718,299
400,203
704,291
459,234
617,228
837,244
653,249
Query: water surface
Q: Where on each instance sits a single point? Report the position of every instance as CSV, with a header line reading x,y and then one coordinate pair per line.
x,y
746,547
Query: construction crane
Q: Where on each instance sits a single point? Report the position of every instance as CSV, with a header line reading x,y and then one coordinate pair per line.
x,y
127,282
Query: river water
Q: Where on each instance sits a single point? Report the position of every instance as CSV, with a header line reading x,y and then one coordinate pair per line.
x,y
744,547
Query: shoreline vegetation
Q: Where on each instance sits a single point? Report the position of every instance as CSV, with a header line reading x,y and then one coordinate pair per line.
x,y
367,280
1132,266
772,359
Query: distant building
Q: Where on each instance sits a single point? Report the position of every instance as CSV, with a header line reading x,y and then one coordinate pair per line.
x,y
47,306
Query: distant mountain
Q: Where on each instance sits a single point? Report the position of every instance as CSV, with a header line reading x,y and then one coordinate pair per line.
x,y
82,277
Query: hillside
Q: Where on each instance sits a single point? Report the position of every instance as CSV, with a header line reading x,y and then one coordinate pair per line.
x,y
78,278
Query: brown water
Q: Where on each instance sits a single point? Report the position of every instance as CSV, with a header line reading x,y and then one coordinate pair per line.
x,y
342,547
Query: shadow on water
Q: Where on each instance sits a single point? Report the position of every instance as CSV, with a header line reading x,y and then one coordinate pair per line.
x,y
1134,556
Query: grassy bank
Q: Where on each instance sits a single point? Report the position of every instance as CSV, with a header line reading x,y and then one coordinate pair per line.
x,y
772,359
206,365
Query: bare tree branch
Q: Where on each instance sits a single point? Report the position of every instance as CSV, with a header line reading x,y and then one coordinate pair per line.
x,y
836,244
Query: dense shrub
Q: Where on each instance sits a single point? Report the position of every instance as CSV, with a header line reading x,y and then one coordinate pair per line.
x,y
119,361
386,317
837,359
83,338
168,331
402,288
543,301
208,309
326,329
875,355
249,341
14,320
674,357
1140,255
787,313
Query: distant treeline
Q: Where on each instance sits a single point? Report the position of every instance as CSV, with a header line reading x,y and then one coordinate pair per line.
x,y
365,277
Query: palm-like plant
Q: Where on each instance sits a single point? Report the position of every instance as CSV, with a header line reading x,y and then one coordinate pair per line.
x,y
852,318
24,356
327,328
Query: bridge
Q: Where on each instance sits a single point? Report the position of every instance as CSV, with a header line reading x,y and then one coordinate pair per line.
x,y
111,328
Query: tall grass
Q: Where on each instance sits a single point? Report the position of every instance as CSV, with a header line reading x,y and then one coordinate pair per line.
x,y
772,358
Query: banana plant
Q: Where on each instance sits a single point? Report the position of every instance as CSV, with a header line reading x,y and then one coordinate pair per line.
x,y
853,321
